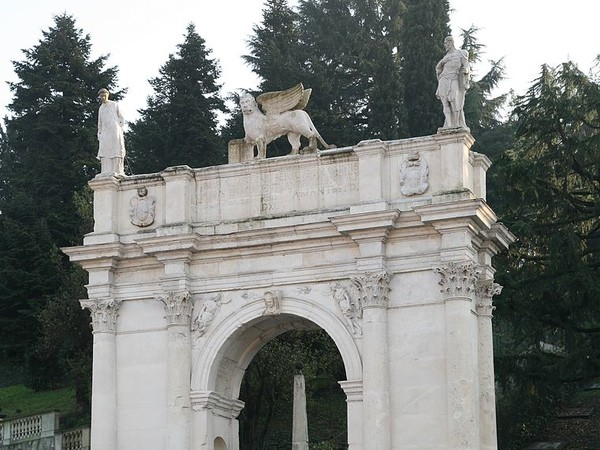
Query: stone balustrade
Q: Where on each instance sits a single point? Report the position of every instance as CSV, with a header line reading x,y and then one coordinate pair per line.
x,y
42,431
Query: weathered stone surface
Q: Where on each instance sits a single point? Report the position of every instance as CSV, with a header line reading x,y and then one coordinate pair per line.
x,y
325,240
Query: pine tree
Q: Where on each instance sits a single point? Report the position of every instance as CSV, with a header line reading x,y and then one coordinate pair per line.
x,y
347,53
334,54
276,57
179,125
424,29
548,193
275,51
379,23
46,158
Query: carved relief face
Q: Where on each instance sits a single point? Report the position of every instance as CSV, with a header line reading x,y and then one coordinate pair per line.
x,y
269,300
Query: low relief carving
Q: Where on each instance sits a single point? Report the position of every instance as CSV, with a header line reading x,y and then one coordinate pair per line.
x,y
178,307
458,279
104,313
304,290
272,301
486,289
349,305
141,208
249,296
206,314
414,175
373,288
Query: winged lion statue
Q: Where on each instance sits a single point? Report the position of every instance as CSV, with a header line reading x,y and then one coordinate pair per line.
x,y
283,115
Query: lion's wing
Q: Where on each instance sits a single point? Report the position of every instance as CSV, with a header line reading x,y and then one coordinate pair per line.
x,y
281,101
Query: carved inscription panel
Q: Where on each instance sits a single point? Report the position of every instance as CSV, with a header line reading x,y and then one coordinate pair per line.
x,y
282,189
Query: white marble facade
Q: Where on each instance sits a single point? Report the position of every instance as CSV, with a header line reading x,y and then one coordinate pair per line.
x,y
238,254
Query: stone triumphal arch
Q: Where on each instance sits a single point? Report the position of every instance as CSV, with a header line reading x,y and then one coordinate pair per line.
x,y
386,246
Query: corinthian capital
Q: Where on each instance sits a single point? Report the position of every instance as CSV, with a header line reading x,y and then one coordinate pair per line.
x,y
458,280
373,288
104,313
178,307
486,289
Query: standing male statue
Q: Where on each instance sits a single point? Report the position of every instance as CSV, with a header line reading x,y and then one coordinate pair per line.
x,y
111,150
453,81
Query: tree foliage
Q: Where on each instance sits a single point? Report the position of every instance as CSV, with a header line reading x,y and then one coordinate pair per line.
x,y
267,390
275,47
346,52
483,110
549,196
179,124
48,154
425,26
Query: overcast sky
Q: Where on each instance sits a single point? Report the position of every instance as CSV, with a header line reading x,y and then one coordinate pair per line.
x,y
139,35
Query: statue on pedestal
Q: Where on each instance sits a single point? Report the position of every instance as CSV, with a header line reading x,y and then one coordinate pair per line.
x,y
111,149
284,115
453,81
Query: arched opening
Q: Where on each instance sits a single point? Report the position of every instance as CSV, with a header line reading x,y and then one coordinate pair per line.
x,y
267,392
221,361
220,444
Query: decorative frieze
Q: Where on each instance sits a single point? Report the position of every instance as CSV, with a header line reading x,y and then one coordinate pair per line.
x,y
104,313
178,307
458,279
373,288
486,289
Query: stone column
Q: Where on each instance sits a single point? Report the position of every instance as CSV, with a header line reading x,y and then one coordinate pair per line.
x,y
373,293
458,286
104,372
178,312
486,289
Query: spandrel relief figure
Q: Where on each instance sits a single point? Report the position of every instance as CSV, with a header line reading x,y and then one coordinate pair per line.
x,y
349,307
414,175
283,115
206,314
141,208
111,148
453,81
